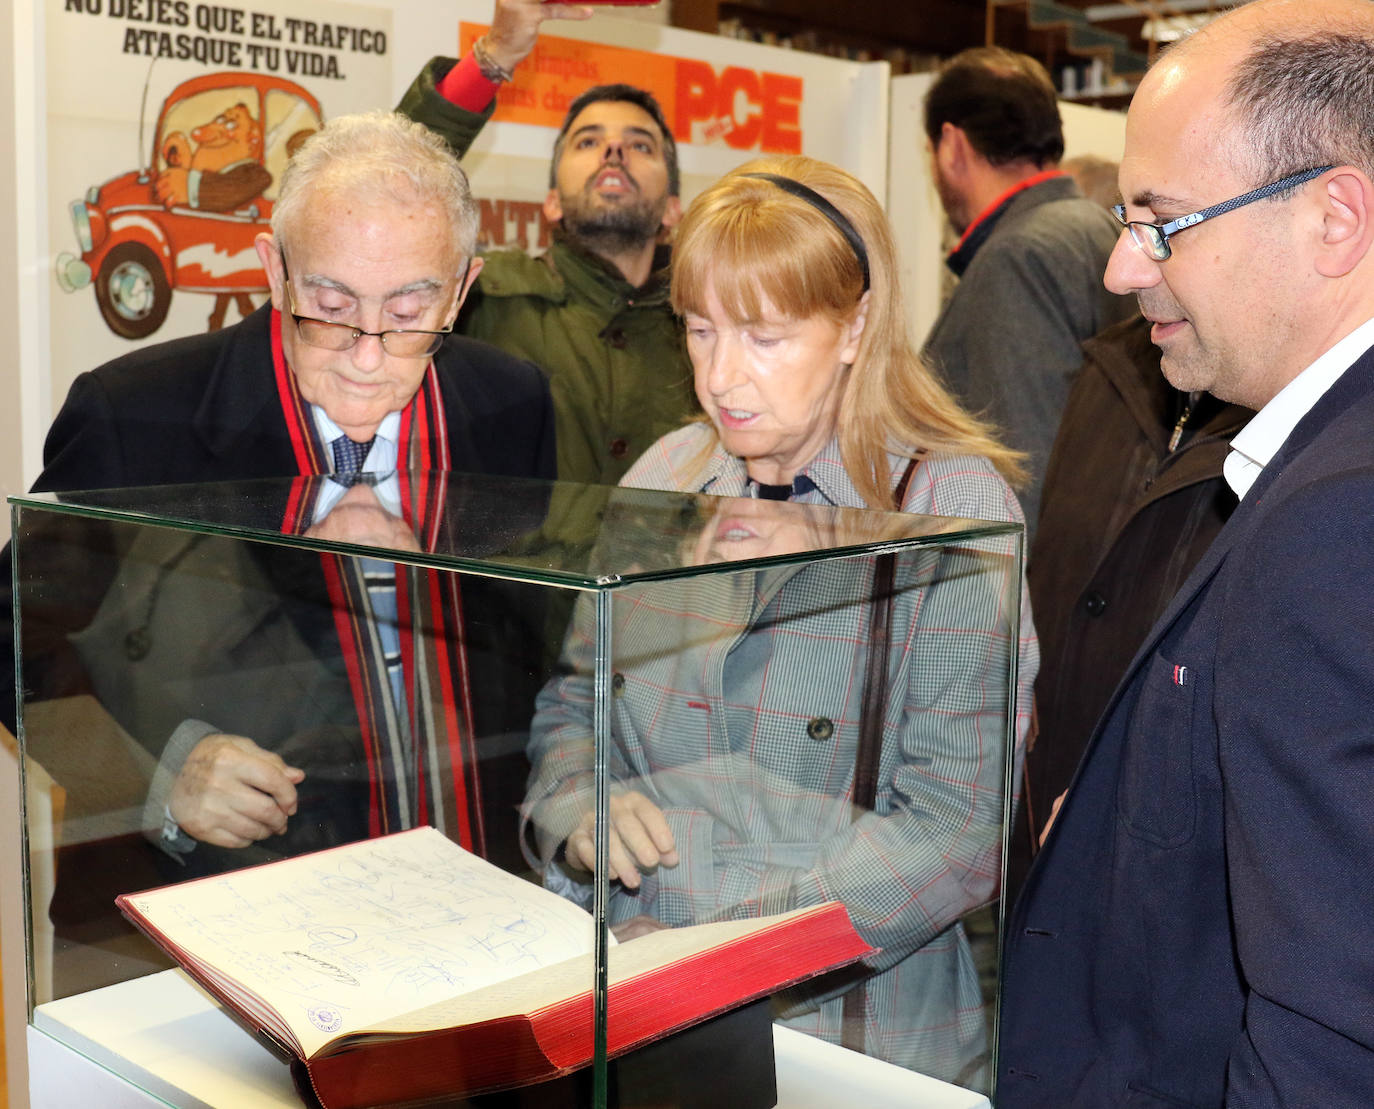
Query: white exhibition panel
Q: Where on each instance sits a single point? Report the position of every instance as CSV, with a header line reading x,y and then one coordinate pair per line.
x,y
165,1042
103,79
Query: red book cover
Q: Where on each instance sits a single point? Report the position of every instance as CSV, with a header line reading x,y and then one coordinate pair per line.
x,y
403,968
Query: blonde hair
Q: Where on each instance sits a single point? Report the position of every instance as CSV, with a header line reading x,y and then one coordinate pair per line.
x,y
757,244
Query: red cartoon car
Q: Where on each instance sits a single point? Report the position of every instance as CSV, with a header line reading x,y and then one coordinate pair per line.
x,y
188,222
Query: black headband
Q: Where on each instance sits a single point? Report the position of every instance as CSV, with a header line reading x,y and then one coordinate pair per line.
x,y
825,208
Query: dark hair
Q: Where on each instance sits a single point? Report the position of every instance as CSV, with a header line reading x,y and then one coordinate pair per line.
x,y
628,94
1005,102
1303,102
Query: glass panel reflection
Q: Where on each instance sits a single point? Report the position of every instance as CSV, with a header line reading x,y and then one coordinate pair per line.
x,y
218,676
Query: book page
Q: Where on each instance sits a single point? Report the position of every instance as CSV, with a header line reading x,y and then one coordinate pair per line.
x,y
345,938
627,961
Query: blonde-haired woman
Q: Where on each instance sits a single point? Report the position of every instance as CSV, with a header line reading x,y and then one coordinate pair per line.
x,y
736,716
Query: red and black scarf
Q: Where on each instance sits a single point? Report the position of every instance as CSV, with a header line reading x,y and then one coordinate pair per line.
x,y
433,733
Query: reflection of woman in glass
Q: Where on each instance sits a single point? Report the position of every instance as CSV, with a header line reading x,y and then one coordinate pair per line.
x,y
737,699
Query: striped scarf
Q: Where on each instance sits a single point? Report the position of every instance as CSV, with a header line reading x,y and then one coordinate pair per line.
x,y
421,756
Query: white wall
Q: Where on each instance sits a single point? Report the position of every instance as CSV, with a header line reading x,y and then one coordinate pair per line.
x,y
1089,130
918,222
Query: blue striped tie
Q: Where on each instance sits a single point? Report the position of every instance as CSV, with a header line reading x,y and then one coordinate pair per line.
x,y
379,576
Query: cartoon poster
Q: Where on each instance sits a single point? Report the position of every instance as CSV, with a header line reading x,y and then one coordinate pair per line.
x,y
169,125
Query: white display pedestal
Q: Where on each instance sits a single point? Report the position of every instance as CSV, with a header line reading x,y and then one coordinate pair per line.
x,y
160,1040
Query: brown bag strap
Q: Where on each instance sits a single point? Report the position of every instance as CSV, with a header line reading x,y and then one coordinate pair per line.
x,y
875,673
875,687
871,732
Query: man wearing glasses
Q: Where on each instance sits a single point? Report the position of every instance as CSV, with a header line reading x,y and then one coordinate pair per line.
x,y
1195,928
351,372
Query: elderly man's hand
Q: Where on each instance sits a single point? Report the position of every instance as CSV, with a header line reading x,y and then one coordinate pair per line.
x,y
639,839
515,27
360,518
231,792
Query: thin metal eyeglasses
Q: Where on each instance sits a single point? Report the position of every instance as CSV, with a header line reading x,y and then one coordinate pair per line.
x,y
400,342
1153,238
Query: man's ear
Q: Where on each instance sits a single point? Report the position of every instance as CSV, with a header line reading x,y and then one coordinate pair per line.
x,y
553,207
1347,222
953,150
672,213
270,257
474,268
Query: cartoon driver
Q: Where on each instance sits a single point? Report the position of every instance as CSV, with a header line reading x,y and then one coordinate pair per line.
x,y
224,172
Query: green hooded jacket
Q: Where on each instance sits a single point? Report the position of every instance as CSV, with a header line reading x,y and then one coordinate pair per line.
x,y
613,354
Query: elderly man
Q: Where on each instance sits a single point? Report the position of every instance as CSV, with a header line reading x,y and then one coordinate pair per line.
x,y
1030,254
592,311
1195,929
351,368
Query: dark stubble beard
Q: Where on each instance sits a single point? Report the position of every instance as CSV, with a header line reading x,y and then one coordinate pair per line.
x,y
611,227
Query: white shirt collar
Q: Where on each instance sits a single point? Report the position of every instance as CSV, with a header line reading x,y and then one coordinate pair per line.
x,y
1261,438
381,459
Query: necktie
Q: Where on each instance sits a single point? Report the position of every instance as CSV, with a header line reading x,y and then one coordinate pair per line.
x,y
348,458
378,576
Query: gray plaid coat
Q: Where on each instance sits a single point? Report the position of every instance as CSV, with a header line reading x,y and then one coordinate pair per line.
x,y
736,709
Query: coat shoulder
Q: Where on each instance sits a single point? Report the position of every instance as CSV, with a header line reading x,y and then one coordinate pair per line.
x,y
679,460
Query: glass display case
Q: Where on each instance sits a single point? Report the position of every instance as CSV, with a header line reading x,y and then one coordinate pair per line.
x,y
708,722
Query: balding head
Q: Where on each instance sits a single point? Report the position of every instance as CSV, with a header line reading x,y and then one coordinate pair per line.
x,y
1251,296
1296,79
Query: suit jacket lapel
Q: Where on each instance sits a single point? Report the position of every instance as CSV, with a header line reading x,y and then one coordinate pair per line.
x,y
239,418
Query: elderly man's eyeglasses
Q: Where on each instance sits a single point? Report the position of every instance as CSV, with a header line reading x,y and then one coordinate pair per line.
x,y
400,342
1153,238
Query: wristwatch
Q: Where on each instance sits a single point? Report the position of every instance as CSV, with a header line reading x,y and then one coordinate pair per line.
x,y
173,838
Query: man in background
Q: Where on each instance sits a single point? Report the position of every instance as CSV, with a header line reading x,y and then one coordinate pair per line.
x,y
1096,178
593,310
1030,254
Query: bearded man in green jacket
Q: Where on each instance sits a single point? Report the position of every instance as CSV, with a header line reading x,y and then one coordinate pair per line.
x,y
593,310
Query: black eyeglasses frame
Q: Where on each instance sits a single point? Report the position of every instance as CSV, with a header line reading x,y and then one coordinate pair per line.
x,y
436,337
1152,239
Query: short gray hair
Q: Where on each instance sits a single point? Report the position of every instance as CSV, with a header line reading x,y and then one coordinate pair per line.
x,y
1302,101
386,154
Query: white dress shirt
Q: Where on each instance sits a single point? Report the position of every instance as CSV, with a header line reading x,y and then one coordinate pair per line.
x,y
1261,438
381,459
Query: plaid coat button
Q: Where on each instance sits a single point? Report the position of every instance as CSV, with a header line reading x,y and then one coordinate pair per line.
x,y
820,727
617,684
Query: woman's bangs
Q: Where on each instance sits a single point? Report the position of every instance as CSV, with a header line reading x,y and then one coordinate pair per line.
x,y
757,261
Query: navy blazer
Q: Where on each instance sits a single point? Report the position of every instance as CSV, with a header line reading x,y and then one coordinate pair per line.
x,y
1197,928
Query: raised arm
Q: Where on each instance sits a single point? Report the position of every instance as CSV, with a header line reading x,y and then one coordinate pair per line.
x,y
456,99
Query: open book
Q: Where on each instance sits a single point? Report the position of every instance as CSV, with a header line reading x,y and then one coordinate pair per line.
x,y
404,967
